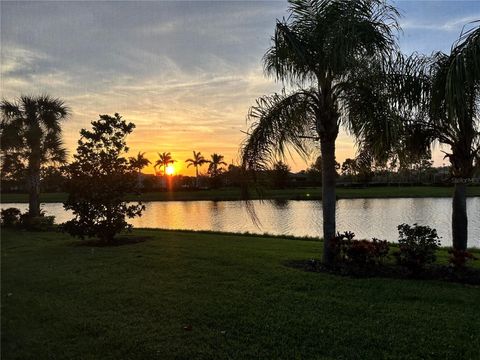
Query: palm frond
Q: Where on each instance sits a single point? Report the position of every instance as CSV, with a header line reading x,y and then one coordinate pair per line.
x,y
279,121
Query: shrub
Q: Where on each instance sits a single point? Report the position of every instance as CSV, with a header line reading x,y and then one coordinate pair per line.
x,y
417,246
359,252
37,223
98,181
10,217
459,258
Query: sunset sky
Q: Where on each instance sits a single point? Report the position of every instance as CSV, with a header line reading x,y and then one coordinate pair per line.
x,y
184,72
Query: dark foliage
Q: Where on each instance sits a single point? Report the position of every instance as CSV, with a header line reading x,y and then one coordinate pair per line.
x,y
281,172
359,252
417,246
99,179
13,218
10,217
459,258
30,139
466,275
36,223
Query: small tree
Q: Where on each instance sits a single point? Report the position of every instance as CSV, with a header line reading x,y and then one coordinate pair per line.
x,y
99,180
281,172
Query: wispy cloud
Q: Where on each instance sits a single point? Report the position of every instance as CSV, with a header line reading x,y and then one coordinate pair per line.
x,y
184,72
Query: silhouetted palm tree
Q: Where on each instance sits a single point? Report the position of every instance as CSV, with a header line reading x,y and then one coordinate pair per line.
x,y
138,163
317,47
164,160
438,99
455,120
197,161
30,129
214,167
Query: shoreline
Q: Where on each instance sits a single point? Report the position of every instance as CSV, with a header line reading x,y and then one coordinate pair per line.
x,y
233,194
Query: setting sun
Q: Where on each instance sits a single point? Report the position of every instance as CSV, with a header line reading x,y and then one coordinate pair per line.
x,y
170,170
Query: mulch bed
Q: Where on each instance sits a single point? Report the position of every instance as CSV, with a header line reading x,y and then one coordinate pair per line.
x,y
121,240
466,275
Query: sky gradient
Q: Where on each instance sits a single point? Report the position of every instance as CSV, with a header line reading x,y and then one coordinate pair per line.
x,y
185,73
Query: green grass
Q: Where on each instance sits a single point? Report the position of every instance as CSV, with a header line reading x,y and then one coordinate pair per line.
x,y
285,194
61,301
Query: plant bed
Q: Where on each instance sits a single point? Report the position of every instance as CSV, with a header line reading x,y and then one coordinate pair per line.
x,y
448,273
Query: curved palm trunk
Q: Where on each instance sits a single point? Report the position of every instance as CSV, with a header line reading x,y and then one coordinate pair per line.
x,y
459,217
328,198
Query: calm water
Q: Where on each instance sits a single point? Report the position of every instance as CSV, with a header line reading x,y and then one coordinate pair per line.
x,y
365,217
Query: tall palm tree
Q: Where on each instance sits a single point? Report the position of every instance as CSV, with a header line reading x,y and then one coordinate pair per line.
x,y
197,161
455,120
30,129
164,160
214,167
316,48
438,98
138,163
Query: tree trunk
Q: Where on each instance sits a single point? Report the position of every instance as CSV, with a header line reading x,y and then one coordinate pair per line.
x,y
34,187
328,198
196,177
459,217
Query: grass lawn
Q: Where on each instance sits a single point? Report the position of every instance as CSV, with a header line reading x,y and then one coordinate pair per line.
x,y
61,301
286,194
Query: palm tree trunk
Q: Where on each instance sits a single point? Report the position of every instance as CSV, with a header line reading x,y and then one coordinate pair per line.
x,y
459,217
34,187
196,176
328,198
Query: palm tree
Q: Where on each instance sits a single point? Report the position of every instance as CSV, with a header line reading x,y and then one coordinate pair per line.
x,y
448,103
318,48
214,168
164,160
455,120
138,163
198,160
30,131
438,102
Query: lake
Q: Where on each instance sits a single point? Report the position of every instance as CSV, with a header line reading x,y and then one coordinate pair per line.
x,y
367,218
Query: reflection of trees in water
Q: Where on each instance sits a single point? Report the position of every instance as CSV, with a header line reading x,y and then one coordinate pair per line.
x,y
216,215
280,203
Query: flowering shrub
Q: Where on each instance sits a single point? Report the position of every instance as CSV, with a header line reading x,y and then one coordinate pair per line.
x,y
417,246
359,252
459,258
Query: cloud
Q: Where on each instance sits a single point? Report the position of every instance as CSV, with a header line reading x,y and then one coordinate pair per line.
x,y
184,72
454,25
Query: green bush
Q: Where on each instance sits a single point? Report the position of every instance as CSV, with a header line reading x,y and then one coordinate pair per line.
x,y
417,245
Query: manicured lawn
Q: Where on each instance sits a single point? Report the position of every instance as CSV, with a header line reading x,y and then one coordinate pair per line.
x,y
286,194
61,301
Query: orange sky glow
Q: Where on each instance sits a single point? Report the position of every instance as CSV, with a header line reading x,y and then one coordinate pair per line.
x,y
185,73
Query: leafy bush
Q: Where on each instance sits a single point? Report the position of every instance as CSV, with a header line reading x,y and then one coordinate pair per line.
x,y
417,246
13,217
459,258
36,223
10,217
359,252
98,181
